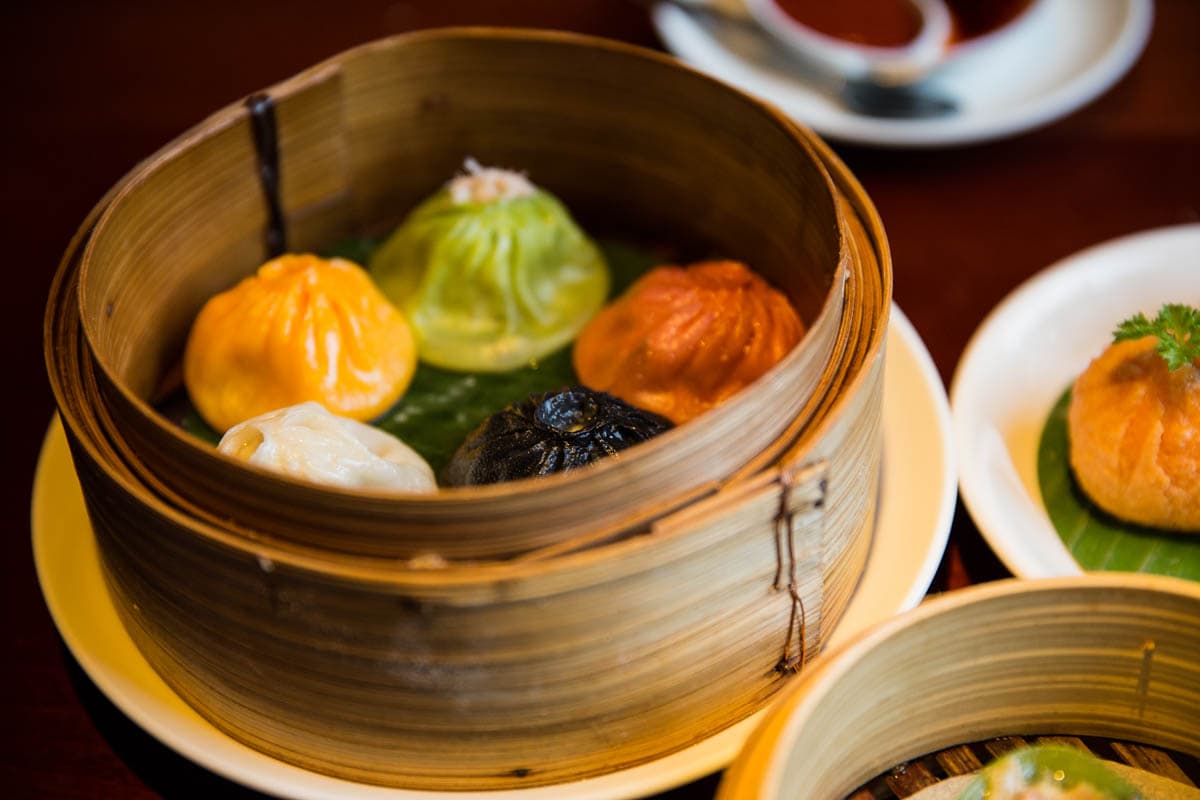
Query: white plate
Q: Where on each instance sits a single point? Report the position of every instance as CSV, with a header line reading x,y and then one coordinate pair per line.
x,y
1022,358
916,506
1079,49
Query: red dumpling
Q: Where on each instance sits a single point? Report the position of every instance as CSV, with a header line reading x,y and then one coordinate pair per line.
x,y
683,339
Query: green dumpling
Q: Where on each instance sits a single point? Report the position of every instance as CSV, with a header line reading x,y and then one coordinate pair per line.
x,y
1048,771
492,272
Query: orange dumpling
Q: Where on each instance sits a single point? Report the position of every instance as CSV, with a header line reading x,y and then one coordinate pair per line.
x,y
302,328
1135,436
681,340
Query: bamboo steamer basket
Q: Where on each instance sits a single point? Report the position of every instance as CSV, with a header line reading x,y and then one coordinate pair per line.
x,y
366,135
1110,655
610,631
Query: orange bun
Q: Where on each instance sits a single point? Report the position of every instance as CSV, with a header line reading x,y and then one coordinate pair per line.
x,y
302,328
681,340
1135,436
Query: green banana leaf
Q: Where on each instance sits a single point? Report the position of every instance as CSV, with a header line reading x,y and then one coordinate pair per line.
x,y
1097,540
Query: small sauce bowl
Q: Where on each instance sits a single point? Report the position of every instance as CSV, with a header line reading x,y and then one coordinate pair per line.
x,y
889,42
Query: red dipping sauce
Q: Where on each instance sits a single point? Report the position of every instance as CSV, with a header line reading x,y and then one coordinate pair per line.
x,y
895,23
973,18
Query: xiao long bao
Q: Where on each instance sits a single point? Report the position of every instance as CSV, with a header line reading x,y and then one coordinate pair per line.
x,y
684,339
550,433
302,328
1048,772
306,441
492,272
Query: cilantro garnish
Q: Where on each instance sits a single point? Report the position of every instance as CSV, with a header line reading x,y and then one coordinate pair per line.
x,y
1177,328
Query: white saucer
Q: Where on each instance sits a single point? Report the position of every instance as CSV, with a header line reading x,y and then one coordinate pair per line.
x,y
916,507
1081,48
1022,358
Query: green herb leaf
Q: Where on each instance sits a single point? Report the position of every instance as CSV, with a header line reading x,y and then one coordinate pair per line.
x,y
1177,327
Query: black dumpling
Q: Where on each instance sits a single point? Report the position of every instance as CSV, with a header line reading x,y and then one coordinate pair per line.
x,y
549,433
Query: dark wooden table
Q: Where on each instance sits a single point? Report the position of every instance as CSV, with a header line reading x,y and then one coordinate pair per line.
x,y
93,87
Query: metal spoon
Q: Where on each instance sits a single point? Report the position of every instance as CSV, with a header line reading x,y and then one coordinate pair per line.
x,y
861,95
895,102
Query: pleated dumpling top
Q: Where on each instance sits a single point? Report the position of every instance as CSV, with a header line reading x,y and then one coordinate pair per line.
x,y
302,328
683,339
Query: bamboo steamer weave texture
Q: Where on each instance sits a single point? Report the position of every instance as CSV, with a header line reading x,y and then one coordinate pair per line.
x,y
1112,655
601,632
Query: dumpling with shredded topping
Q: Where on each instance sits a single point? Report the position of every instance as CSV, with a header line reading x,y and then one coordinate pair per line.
x,y
492,272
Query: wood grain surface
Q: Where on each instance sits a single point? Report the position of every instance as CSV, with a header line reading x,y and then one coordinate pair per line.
x,y
94,87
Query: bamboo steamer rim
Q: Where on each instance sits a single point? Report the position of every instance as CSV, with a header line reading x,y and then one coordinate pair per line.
x,y
235,113
856,196
759,769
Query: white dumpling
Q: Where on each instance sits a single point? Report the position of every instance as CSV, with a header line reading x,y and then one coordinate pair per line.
x,y
309,442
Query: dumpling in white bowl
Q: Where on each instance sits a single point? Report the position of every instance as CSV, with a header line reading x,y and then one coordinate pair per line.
x,y
309,442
